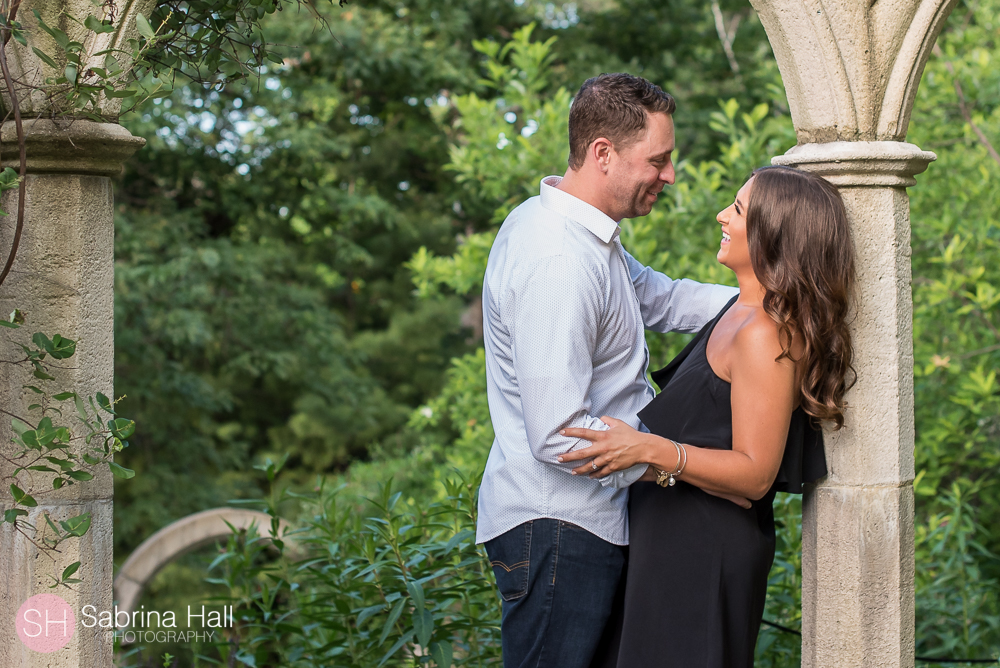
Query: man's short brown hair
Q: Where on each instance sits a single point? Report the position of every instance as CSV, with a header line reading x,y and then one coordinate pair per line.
x,y
613,106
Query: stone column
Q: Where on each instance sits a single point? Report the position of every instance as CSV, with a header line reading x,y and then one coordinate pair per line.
x,y
857,552
851,70
63,282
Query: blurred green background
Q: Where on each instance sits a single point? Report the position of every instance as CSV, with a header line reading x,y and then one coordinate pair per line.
x,y
298,267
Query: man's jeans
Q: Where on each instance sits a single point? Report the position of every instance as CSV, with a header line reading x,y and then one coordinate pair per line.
x,y
558,585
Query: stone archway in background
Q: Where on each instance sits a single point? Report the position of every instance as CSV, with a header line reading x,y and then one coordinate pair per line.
x,y
177,539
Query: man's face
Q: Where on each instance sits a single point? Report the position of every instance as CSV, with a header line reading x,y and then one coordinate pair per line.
x,y
643,168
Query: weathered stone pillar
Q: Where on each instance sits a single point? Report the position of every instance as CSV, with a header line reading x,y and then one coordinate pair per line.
x,y
851,70
857,552
63,282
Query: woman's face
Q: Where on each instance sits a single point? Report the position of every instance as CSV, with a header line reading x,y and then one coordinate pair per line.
x,y
734,252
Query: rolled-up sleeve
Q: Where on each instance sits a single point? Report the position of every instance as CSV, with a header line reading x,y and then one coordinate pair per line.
x,y
675,305
553,309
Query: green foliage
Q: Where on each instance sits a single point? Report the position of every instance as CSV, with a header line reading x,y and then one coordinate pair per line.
x,y
238,354
420,126
50,449
263,302
959,615
395,588
205,42
956,328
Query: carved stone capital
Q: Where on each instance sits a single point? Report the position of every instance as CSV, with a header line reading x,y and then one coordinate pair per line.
x,y
851,67
70,147
860,163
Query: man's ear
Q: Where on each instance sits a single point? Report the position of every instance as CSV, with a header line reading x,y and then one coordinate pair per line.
x,y
602,150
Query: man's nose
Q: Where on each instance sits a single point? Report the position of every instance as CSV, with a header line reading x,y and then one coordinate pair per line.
x,y
667,175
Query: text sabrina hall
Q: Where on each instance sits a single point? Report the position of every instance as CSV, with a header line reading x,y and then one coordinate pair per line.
x,y
145,619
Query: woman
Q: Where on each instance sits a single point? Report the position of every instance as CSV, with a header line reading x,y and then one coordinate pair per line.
x,y
736,418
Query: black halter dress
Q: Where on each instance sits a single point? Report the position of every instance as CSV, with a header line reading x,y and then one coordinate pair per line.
x,y
698,565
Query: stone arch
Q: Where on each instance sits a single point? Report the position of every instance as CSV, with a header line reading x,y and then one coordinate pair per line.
x,y
177,539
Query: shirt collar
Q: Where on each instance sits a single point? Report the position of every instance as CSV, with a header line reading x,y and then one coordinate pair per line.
x,y
592,218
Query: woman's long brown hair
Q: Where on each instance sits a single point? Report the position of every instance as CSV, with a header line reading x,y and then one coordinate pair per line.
x,y
802,253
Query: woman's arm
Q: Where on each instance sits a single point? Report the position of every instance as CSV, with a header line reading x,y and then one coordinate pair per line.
x,y
763,397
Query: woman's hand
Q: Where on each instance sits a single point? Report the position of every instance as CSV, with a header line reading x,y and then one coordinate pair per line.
x,y
616,449
619,448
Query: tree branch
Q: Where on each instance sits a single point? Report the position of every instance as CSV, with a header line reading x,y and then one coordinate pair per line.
x,y
22,146
726,36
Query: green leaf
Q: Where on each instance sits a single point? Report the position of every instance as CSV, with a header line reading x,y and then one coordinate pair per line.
x,y
60,347
41,341
69,570
395,648
442,654
121,471
64,464
12,514
22,498
77,526
80,475
55,529
367,614
247,658
4,323
423,625
45,432
57,483
98,26
105,403
47,469
145,29
416,592
397,610
63,396
121,428
45,58
19,427
120,93
30,440
81,408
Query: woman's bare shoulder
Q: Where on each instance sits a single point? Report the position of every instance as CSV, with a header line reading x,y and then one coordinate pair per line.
x,y
758,339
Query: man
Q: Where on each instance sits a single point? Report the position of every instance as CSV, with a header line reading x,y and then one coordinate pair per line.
x,y
564,312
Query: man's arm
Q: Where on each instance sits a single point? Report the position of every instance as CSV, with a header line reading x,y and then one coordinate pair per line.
x,y
675,305
552,310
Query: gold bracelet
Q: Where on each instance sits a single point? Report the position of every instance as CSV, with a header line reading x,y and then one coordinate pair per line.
x,y
664,479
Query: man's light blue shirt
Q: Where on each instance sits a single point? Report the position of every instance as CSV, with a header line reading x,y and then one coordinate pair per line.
x,y
564,309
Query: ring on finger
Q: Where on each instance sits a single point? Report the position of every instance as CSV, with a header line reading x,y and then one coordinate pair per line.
x,y
593,465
